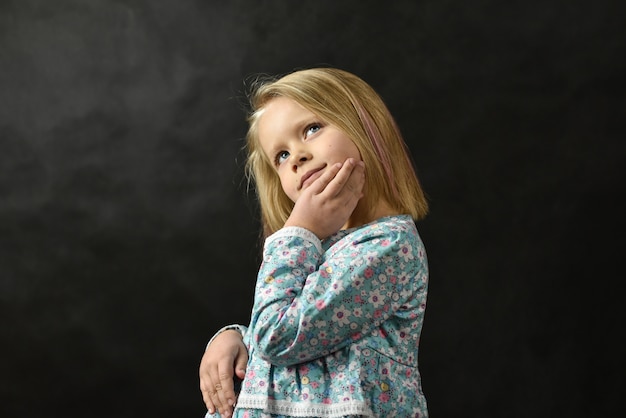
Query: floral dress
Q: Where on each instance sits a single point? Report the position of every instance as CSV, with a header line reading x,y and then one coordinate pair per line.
x,y
336,324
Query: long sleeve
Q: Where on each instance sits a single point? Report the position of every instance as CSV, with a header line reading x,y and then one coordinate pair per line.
x,y
309,303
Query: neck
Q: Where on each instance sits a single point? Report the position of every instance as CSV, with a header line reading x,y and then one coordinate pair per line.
x,y
363,215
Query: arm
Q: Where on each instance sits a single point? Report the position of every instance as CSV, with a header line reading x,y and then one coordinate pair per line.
x,y
358,287
325,206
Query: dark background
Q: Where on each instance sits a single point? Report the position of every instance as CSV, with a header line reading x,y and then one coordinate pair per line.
x,y
127,236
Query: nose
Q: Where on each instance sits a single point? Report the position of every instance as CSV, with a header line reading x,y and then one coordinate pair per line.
x,y
299,158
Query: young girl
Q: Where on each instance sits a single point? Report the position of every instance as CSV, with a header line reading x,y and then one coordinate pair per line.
x,y
341,291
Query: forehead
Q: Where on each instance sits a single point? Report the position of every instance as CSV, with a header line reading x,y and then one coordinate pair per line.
x,y
280,118
282,111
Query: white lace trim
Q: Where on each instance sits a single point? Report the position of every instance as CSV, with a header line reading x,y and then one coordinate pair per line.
x,y
296,231
304,409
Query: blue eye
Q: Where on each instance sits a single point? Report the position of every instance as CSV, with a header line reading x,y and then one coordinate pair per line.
x,y
311,129
281,157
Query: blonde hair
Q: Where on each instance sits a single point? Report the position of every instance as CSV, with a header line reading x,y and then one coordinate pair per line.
x,y
349,103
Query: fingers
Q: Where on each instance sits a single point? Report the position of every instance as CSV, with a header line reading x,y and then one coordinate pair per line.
x,y
207,387
320,184
349,180
206,396
212,397
219,395
241,362
224,389
211,386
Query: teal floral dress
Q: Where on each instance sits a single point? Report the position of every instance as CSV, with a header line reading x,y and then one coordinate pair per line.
x,y
336,324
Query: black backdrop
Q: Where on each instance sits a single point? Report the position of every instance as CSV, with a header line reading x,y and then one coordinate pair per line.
x,y
127,236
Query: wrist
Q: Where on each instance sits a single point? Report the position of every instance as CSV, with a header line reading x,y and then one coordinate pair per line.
x,y
228,328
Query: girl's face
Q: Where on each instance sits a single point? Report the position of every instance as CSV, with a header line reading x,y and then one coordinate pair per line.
x,y
300,145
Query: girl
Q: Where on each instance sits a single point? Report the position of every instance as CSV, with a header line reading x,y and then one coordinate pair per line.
x,y
341,291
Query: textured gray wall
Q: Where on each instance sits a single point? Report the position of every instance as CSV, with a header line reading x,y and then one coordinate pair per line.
x,y
127,236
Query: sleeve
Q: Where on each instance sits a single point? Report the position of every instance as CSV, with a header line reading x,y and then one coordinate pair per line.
x,y
306,308
239,328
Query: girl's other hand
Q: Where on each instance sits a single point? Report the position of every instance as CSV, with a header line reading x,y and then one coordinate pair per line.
x,y
327,204
224,358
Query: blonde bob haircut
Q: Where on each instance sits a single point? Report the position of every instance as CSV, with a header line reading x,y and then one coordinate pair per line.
x,y
349,103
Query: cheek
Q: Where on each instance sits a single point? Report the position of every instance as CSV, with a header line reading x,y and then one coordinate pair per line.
x,y
289,186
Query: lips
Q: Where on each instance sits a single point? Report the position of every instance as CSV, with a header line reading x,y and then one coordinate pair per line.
x,y
308,175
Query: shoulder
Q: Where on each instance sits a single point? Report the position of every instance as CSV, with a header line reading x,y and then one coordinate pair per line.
x,y
399,227
386,233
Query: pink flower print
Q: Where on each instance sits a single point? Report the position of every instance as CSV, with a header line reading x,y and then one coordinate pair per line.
x,y
384,397
369,272
357,299
384,243
320,304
